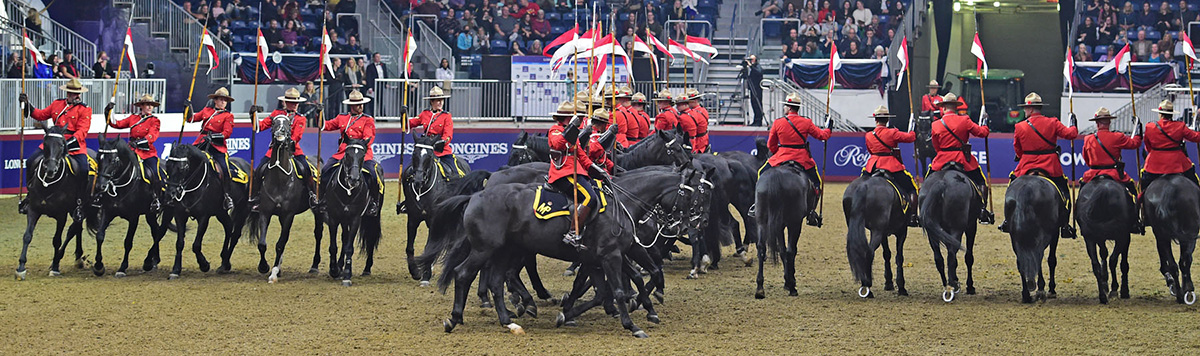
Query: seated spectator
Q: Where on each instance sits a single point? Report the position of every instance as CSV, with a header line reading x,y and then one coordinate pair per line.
x,y
1082,54
1122,39
1127,19
792,50
870,40
830,23
826,10
103,69
848,37
862,15
828,42
1088,32
1147,17
465,43
854,51
516,40
234,10
887,39
627,40
1178,48
1108,54
218,11
1166,18
1185,15
1105,31
880,53
810,36
845,12
897,8
527,8
273,34
810,9
770,7
503,24
1155,55
1141,47
535,48
812,51
289,36
447,25
540,26
352,46
790,11
810,22
792,36
850,27
224,34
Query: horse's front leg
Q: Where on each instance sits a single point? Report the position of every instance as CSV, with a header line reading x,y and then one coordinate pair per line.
x,y
31,220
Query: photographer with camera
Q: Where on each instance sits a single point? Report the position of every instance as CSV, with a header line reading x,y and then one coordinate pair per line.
x,y
752,74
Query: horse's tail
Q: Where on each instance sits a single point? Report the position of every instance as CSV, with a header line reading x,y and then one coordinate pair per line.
x,y
858,251
252,222
932,217
369,234
446,219
470,183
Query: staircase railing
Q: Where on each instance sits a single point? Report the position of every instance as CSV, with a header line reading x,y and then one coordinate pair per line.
x,y
433,49
775,91
83,49
1146,101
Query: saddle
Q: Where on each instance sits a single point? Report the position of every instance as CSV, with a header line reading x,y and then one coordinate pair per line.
x,y
236,174
458,171
887,176
549,203
1040,173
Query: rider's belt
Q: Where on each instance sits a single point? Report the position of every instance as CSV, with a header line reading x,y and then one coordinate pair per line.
x,y
1173,148
702,134
963,148
1111,166
1053,151
800,147
892,153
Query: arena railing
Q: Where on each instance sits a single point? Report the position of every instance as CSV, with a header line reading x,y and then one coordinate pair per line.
x,y
43,91
432,48
777,90
381,35
183,34
85,50
1147,101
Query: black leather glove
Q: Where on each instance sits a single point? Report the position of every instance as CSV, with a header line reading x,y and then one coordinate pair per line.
x,y
609,137
404,108
1137,128
571,133
141,144
439,146
597,172
23,98
983,119
318,107
255,109
585,136
828,121
1074,120
72,144
108,111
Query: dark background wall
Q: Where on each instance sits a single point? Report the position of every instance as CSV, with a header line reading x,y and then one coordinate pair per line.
x,y
1030,42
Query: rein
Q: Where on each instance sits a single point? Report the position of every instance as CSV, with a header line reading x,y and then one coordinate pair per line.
x,y
184,190
110,188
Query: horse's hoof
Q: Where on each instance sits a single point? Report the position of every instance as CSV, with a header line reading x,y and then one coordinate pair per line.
x,y
98,269
520,310
204,266
560,320
653,318
693,275
333,273
515,329
149,266
81,263
448,325
640,334
274,277
1041,295
531,309
760,294
792,293
224,269
172,276
888,287
346,283
902,291
424,284
569,273
571,323
365,273
970,290
747,259
263,268
55,273
1103,298
313,270
1051,295
1189,298
948,295
658,295
486,305
21,275
864,291
1124,294
705,262
119,275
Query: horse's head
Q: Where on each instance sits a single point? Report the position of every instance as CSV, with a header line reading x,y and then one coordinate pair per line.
x,y
54,150
352,160
184,162
673,145
698,202
281,134
424,160
761,152
114,155
520,152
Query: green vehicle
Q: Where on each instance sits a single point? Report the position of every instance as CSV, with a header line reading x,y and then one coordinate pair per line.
x,y
1005,89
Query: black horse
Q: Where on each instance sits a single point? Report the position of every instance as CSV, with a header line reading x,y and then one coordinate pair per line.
x,y
781,201
425,184
1172,207
1032,208
125,189
745,176
873,203
1105,211
54,179
528,149
949,204
504,246
194,189
282,192
347,195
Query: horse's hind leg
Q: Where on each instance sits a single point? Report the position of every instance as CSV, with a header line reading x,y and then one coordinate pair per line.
x,y
59,249
900,237
370,262
285,227
157,231
1167,266
413,269
938,261
105,222
1185,270
483,291
789,260
887,266
31,220
970,258
465,273
1122,248
133,226
535,279
1052,262
318,225
1098,268
612,275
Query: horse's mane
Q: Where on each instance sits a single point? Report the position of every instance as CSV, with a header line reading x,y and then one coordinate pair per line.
x,y
643,141
538,144
186,151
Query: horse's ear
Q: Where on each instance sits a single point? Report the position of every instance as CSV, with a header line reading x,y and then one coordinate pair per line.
x,y
522,137
662,135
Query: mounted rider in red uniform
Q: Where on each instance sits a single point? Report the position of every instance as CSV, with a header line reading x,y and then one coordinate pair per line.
x,y
1164,141
570,168
929,102
641,118
699,115
216,128
884,145
359,126
438,122
950,136
667,117
622,115
788,142
599,144
1036,144
143,131
291,102
1102,154
75,117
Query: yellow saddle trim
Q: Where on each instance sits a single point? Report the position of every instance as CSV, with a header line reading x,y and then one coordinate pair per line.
x,y
442,168
1061,196
903,202
544,211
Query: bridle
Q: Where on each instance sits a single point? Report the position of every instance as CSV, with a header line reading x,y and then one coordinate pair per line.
x,y
183,190
276,160
42,175
418,183
109,187
663,217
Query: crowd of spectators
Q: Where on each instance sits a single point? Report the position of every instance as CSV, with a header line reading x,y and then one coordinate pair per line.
x,y
860,29
1153,31
289,26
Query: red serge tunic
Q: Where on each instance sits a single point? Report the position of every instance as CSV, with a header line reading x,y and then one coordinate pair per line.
x,y
643,126
949,147
298,123
140,128
575,161
1034,152
215,121
75,118
359,127
439,124
883,144
666,119
1164,139
788,144
929,102
622,117
1101,163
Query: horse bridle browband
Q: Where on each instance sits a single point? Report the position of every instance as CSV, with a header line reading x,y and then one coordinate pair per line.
x,y
183,185
110,188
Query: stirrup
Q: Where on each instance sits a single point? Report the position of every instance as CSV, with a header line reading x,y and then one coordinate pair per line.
x,y
23,206
155,205
1068,232
751,212
372,207
77,214
228,202
571,238
987,218
815,219
915,221
1003,226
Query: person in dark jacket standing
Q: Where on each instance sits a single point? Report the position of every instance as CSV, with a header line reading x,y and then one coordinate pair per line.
x,y
753,75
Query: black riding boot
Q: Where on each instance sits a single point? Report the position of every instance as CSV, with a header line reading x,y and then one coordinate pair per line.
x,y
915,219
572,237
986,216
814,218
1068,231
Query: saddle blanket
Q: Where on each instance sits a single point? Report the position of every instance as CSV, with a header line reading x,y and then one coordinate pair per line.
x,y
549,203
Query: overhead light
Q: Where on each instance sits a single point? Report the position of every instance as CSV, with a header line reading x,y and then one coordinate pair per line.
x,y
996,4
957,6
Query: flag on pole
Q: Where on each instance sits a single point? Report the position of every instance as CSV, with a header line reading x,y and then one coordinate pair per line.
x,y
639,46
33,51
981,65
263,52
570,35
1068,72
1120,62
902,55
657,44
326,46
675,47
700,44
129,52
211,48
1188,49
572,48
835,63
410,47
